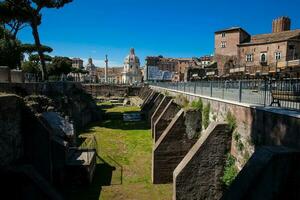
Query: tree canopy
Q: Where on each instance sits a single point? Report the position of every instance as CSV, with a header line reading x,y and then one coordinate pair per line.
x,y
31,48
30,67
15,13
36,58
60,65
10,50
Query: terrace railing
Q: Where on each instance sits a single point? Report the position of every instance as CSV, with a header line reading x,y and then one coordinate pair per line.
x,y
284,93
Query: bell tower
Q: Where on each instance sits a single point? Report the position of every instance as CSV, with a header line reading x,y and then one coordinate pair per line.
x,y
281,24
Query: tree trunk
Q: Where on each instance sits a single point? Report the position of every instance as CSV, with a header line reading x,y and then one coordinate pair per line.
x,y
35,33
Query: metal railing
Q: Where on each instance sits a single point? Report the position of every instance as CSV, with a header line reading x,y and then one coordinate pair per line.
x,y
283,93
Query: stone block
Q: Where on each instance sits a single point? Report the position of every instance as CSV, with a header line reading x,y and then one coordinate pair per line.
x,y
149,104
170,149
4,74
164,119
164,102
17,76
147,99
198,176
153,107
193,123
10,129
271,173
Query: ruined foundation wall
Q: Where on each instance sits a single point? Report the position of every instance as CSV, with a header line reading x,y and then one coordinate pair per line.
x,y
159,109
70,99
170,149
164,119
271,173
10,129
111,90
198,176
255,126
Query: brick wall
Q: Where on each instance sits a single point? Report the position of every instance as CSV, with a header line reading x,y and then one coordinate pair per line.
x,y
256,51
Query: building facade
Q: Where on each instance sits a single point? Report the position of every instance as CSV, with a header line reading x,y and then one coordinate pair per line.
x,y
226,47
159,68
114,75
77,63
238,53
131,72
175,69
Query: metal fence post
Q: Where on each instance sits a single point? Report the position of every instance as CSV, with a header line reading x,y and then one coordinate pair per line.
x,y
223,86
265,92
211,88
184,86
240,91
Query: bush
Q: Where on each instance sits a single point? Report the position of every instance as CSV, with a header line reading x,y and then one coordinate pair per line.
x,y
237,136
231,120
230,171
183,101
205,116
197,104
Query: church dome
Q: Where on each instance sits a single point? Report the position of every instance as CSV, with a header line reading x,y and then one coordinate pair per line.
x,y
132,58
90,66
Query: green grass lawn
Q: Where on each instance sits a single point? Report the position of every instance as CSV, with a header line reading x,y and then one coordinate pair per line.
x,y
126,145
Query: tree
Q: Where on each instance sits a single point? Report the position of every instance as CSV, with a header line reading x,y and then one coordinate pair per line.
x,y
11,17
31,67
60,65
31,48
36,58
10,50
29,11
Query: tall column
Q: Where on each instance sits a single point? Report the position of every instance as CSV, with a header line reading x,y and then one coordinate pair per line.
x,y
106,68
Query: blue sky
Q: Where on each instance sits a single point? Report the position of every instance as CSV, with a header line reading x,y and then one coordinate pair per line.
x,y
172,28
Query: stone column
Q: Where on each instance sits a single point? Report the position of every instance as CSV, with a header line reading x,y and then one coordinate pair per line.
x,y
106,69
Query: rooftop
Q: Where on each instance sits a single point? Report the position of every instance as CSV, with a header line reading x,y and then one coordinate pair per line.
x,y
273,37
231,29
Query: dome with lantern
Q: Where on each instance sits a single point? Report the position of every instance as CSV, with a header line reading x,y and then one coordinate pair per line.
x,y
131,72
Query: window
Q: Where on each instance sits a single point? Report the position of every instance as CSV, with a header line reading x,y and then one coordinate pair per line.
x,y
277,55
223,44
223,34
249,57
263,57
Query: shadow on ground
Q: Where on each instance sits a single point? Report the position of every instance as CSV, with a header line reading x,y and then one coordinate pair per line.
x,y
114,120
77,190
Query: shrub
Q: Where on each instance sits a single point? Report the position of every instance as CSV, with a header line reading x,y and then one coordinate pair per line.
x,y
197,104
241,146
166,93
230,171
231,120
183,101
205,115
237,136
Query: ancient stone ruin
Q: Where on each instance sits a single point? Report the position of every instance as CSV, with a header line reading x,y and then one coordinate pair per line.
x,y
196,159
